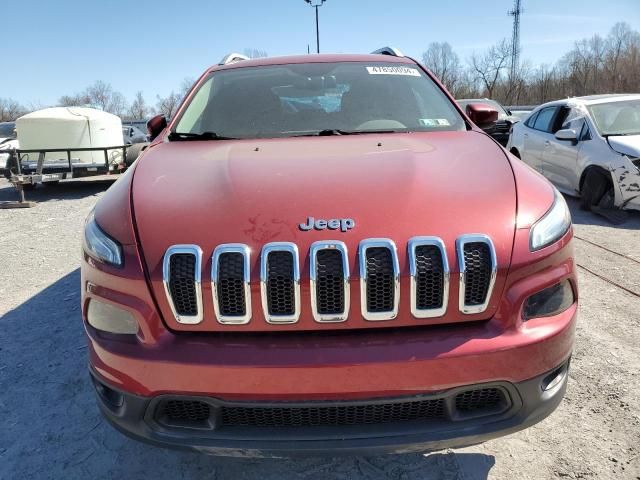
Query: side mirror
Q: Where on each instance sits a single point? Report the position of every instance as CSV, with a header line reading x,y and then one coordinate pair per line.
x,y
568,134
156,125
484,116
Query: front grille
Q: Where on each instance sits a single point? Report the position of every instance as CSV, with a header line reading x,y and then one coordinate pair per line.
x,y
457,405
182,285
429,277
329,289
315,416
280,291
230,285
477,259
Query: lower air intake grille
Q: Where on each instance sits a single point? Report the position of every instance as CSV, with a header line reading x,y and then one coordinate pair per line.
x,y
330,282
280,283
477,259
429,277
182,283
486,399
380,280
314,416
231,285
176,411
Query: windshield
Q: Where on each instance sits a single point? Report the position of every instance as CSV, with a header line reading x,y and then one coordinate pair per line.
x,y
616,118
317,98
7,130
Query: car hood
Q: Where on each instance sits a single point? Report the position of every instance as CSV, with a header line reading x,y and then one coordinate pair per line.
x,y
625,144
256,191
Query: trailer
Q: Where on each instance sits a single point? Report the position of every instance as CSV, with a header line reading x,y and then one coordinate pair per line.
x,y
25,173
65,142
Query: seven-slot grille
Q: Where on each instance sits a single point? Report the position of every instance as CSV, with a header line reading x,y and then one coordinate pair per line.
x,y
329,280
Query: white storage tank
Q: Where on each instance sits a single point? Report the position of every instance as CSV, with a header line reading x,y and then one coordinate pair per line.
x,y
70,127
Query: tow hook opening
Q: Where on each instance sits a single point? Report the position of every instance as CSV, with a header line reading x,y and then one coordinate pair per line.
x,y
109,396
555,378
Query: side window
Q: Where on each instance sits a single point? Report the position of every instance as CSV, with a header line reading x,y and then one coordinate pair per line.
x,y
585,133
562,117
544,118
531,120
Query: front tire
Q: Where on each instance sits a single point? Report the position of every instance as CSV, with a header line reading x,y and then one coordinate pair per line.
x,y
597,189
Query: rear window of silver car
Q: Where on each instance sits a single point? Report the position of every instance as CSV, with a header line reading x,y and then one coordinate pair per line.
x,y
305,99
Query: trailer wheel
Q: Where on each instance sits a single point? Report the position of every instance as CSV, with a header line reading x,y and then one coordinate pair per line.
x,y
597,189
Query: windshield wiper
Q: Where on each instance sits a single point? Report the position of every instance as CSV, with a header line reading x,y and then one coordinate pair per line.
x,y
337,131
180,136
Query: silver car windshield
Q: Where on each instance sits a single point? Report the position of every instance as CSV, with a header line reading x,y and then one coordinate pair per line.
x,y
317,99
616,118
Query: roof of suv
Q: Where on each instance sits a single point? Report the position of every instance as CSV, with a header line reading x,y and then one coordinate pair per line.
x,y
315,58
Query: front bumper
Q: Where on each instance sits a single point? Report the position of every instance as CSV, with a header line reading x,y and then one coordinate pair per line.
x,y
526,403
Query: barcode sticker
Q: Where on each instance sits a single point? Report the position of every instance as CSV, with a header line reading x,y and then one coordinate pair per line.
x,y
412,72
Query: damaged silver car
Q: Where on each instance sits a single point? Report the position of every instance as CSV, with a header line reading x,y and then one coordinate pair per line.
x,y
587,146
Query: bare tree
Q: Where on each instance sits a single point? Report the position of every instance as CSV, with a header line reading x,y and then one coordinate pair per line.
x,y
77,100
489,67
444,63
169,104
186,85
10,110
99,95
138,109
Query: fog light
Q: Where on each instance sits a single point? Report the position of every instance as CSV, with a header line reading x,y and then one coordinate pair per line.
x,y
109,318
550,301
554,379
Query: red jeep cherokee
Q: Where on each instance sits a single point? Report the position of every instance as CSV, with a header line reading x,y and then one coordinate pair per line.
x,y
323,253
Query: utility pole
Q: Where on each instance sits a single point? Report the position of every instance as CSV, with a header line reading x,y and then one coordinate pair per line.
x,y
316,4
515,38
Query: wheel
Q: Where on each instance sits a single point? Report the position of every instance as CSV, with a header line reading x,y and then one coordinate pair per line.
x,y
515,153
597,189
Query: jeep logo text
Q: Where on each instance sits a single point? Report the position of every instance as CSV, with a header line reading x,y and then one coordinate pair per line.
x,y
344,224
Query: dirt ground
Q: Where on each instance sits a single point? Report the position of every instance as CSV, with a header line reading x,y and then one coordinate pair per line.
x,y
51,427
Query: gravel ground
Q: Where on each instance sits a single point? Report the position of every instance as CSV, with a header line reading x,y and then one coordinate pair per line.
x,y
51,427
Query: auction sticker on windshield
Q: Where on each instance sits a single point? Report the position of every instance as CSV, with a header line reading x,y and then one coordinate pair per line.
x,y
412,72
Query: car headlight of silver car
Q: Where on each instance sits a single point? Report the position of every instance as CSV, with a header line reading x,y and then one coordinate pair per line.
x,y
552,226
100,246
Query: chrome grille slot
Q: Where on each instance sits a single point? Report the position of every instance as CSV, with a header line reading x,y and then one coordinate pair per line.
x,y
280,282
329,274
429,271
478,269
230,282
181,271
379,279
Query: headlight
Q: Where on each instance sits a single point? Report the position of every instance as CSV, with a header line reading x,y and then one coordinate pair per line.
x,y
553,225
99,245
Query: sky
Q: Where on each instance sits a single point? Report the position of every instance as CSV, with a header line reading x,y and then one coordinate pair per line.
x,y
52,48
